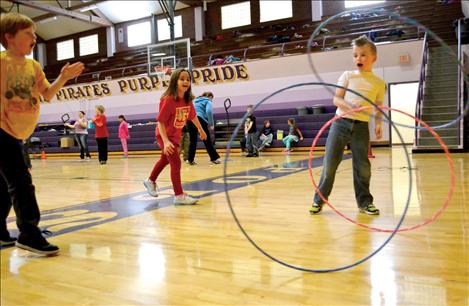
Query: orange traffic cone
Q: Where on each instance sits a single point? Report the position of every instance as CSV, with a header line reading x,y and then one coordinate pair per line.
x,y
370,152
43,154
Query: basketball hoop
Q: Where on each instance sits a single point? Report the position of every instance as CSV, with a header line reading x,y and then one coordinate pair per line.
x,y
163,70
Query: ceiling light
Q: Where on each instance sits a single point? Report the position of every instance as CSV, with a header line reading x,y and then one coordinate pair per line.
x,y
88,8
53,18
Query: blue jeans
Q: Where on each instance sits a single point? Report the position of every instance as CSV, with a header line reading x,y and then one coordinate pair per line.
x,y
289,139
251,141
82,140
342,132
265,140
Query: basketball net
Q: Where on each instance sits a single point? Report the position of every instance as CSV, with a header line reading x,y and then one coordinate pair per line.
x,y
164,73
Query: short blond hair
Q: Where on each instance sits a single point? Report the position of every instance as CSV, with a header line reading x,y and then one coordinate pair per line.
x,y
11,23
364,41
100,108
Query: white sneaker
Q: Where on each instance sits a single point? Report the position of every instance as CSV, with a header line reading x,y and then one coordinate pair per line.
x,y
87,159
152,188
184,199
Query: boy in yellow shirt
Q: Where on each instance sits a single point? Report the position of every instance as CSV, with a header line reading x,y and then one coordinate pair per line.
x,y
22,87
353,128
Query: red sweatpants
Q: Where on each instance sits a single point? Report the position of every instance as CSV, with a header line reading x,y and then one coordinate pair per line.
x,y
174,162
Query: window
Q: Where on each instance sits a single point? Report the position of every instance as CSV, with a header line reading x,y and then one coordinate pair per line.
x,y
273,10
139,34
163,28
355,3
65,50
89,45
236,15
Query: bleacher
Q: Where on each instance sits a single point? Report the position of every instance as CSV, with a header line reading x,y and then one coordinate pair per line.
x,y
142,132
254,44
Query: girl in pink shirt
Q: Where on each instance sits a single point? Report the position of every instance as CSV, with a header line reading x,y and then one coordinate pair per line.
x,y
124,134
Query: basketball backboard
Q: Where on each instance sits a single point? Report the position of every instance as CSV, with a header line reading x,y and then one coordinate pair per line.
x,y
174,54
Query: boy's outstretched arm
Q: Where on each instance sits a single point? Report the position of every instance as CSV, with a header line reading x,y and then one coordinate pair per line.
x,y
68,72
378,113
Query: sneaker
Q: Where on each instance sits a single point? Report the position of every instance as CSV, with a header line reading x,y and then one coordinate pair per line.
x,y
184,199
216,162
315,209
193,163
36,244
7,240
88,159
151,187
370,210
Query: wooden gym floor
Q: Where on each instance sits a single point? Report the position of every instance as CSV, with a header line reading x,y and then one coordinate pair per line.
x,y
122,247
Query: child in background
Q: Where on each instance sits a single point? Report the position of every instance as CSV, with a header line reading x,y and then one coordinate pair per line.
x,y
294,134
124,134
27,158
176,108
353,128
251,131
185,143
102,133
204,111
23,87
265,135
81,135
243,139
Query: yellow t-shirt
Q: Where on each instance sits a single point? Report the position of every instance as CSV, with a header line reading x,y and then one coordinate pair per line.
x,y
367,84
22,82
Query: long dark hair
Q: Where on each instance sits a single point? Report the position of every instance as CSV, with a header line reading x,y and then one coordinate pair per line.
x,y
172,89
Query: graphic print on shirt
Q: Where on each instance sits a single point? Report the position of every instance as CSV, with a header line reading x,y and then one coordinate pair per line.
x,y
18,89
182,113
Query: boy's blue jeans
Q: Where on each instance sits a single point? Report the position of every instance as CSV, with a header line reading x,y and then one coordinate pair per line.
x,y
251,141
342,132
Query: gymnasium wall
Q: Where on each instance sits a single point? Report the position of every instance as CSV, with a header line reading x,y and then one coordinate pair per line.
x,y
301,11
51,46
244,83
188,29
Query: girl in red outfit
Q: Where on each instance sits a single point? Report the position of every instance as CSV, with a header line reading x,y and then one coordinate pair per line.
x,y
101,133
124,134
176,108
